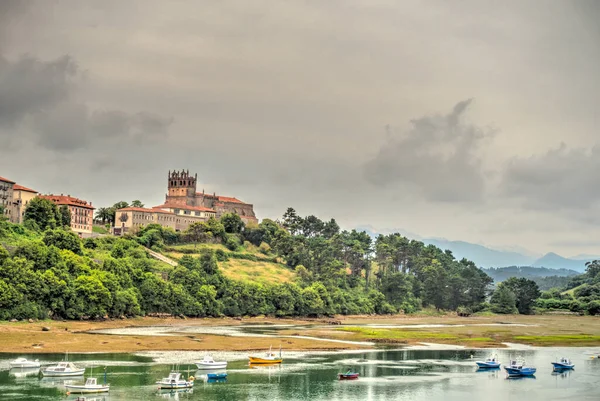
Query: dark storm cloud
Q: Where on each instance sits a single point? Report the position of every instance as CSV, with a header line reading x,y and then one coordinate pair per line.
x,y
29,85
438,155
561,178
45,94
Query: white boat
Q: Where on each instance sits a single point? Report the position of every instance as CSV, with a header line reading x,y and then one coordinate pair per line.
x,y
209,363
24,363
91,386
174,381
491,362
63,369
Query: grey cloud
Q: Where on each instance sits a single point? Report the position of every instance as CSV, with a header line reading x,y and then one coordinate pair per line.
x,y
30,85
437,156
45,94
563,178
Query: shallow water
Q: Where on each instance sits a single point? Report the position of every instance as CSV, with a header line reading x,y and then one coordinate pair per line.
x,y
384,375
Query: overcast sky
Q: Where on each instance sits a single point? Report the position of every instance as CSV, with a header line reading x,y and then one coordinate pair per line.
x,y
469,120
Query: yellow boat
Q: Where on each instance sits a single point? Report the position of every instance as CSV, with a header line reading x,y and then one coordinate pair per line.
x,y
269,359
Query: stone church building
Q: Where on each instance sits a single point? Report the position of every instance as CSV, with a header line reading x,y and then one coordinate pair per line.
x,y
182,191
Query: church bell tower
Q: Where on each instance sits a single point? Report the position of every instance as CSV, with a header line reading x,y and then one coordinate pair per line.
x,y
181,188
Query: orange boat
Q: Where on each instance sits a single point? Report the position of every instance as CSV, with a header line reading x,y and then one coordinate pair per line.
x,y
269,359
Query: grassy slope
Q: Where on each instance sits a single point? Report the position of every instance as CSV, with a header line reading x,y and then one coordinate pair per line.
x,y
99,229
264,270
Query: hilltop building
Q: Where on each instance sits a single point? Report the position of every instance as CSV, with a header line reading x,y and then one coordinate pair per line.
x,y
21,198
183,206
182,191
178,218
14,198
6,196
82,212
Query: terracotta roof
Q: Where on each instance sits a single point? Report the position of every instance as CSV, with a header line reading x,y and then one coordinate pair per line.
x,y
184,207
6,180
135,209
142,209
18,187
222,198
68,200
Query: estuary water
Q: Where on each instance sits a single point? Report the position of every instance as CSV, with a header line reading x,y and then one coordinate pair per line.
x,y
384,375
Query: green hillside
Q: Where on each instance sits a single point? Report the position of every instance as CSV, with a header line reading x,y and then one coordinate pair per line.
x,y
301,266
247,263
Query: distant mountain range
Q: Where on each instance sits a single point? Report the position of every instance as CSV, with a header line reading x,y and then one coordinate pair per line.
x,y
487,257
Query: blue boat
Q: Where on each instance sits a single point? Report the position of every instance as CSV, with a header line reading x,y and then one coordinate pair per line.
x,y
216,376
563,364
490,363
518,368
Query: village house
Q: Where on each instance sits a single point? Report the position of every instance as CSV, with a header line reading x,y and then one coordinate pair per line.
x,y
6,197
82,212
21,198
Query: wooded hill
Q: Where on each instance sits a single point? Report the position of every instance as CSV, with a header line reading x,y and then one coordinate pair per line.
x,y
47,271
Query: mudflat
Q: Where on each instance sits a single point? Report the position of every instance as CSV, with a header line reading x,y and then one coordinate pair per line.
x,y
343,331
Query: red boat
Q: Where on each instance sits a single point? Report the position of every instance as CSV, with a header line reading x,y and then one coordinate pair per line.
x,y
348,376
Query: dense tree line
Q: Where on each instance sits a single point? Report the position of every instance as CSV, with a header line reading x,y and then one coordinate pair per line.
x,y
49,271
581,294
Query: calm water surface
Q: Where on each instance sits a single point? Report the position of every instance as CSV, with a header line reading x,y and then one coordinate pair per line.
x,y
384,375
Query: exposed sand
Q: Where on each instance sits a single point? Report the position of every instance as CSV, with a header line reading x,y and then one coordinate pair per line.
x,y
258,334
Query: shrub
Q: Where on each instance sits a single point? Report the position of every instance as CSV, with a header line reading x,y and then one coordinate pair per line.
x,y
221,255
593,307
63,239
232,242
264,248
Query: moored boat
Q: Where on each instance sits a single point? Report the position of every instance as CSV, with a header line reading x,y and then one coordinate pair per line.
x,y
174,381
216,376
63,369
24,363
269,358
91,386
349,375
517,367
563,364
209,363
490,363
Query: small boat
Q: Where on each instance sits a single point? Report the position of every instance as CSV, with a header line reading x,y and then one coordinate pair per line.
x,y
209,363
63,369
24,363
518,368
563,364
91,386
269,358
349,375
216,376
174,381
490,363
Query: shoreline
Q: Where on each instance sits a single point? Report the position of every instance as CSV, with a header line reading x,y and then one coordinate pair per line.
x,y
347,333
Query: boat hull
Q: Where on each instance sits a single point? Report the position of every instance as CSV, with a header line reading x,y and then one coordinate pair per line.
x,y
520,372
214,365
488,365
261,361
352,376
25,365
87,390
78,372
175,386
564,366
216,376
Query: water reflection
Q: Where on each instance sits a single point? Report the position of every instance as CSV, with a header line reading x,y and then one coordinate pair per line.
x,y
401,375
